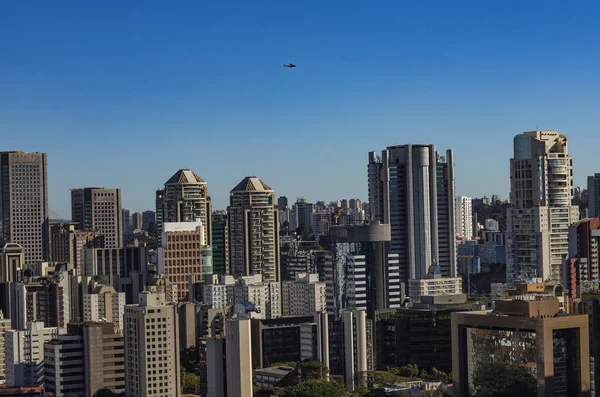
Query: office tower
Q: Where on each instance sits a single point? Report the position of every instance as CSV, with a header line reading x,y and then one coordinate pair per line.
x,y
216,378
434,285
253,230
593,189
464,217
297,257
314,339
4,326
160,213
104,304
355,204
411,188
302,212
99,209
136,221
184,199
126,220
582,263
540,211
148,220
184,256
220,243
304,296
12,262
358,347
24,203
282,203
526,333
66,243
151,347
24,357
359,271
125,269
64,372
238,348
344,204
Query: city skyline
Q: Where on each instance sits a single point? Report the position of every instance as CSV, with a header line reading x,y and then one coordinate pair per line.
x,y
203,87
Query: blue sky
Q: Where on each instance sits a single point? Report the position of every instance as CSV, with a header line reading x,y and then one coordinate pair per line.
x,y
124,93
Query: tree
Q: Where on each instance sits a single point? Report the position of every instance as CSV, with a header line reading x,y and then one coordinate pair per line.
x,y
380,379
503,379
316,388
105,392
408,370
304,371
304,233
190,383
190,360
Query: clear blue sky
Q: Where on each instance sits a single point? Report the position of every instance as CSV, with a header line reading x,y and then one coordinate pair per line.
x,y
124,93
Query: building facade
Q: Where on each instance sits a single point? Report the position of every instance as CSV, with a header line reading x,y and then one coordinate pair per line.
x,y
541,209
464,217
253,230
593,191
96,209
582,263
5,325
24,203
105,304
24,354
411,188
220,243
304,296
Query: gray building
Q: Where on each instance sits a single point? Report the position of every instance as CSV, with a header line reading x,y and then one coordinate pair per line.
x,y
99,209
24,203
593,191
411,188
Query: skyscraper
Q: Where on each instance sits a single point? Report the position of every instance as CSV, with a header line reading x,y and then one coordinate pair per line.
x,y
24,203
464,217
593,189
411,187
184,199
99,209
253,230
220,243
540,211
126,220
151,348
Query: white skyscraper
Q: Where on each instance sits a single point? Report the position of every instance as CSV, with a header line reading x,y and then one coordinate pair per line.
x,y
105,304
24,358
541,208
464,217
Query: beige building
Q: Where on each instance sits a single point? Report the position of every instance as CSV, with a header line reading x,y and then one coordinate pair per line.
x,y
151,348
4,326
24,198
253,230
12,260
553,347
105,304
434,286
541,211
184,256
238,347
304,296
99,209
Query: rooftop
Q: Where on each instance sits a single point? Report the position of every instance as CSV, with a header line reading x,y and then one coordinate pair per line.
x,y
250,184
185,176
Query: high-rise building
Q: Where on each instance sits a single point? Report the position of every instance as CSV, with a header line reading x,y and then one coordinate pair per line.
x,y
464,217
411,188
528,334
4,326
151,348
434,285
105,304
282,203
184,256
24,203
238,348
593,189
66,243
253,230
582,264
99,209
220,243
302,213
148,220
126,220
24,354
12,261
184,199
64,372
304,296
540,211
136,221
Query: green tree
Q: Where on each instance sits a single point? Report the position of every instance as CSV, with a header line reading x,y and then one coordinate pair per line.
x,y
304,233
408,370
190,383
304,371
380,379
316,388
503,379
190,360
105,392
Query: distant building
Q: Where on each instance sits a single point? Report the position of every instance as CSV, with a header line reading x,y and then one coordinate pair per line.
x,y
304,296
184,257
24,354
253,230
582,264
531,334
220,243
4,326
434,286
148,220
464,216
105,304
492,225
302,213
12,262
297,257
282,203
126,220
66,243
593,189
99,209
137,221
411,188
24,181
151,344
468,264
